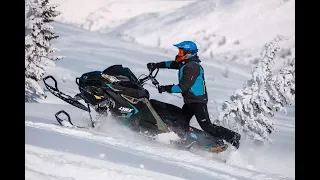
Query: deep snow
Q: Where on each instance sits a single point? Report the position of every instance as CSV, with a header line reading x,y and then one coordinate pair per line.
x,y
116,147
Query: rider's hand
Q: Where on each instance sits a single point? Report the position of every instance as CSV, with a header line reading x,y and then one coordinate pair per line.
x,y
166,88
152,66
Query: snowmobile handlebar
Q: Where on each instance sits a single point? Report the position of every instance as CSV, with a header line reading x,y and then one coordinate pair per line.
x,y
150,77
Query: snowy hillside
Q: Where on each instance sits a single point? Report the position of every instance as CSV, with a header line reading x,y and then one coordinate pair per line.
x,y
251,22
114,152
103,15
225,30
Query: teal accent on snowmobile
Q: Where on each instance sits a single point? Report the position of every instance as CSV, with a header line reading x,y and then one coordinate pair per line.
x,y
130,113
126,116
125,123
109,85
193,135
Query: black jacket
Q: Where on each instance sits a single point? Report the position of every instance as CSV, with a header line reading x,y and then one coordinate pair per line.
x,y
191,80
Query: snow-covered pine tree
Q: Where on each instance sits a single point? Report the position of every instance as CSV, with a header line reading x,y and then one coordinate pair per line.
x,y
282,87
38,34
250,108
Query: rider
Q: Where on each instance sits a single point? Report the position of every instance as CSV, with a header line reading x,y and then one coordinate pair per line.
x,y
193,89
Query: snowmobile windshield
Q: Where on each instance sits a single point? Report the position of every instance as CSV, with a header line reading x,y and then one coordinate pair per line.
x,y
119,70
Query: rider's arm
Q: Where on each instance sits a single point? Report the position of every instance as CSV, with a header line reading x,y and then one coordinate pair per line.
x,y
189,76
168,65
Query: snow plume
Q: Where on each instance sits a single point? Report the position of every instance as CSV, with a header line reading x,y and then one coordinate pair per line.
x,y
38,34
250,108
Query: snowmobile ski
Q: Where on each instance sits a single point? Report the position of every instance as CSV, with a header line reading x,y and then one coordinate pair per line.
x,y
55,91
66,123
73,101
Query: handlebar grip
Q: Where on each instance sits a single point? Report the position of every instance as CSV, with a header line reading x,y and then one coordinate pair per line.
x,y
156,73
150,73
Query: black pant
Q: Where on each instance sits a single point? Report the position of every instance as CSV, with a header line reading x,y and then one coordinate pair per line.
x,y
201,112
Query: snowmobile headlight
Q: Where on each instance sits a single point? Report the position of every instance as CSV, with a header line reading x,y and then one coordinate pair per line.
x,y
111,79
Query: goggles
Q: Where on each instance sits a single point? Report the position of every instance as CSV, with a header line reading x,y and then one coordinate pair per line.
x,y
181,52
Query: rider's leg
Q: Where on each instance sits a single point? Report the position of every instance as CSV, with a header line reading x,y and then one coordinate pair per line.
x,y
202,116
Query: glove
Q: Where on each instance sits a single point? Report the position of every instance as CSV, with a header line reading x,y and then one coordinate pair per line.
x,y
166,88
152,66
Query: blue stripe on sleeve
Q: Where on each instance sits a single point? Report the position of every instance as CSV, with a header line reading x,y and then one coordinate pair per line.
x,y
176,89
168,63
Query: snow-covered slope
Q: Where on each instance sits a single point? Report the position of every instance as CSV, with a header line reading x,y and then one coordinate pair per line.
x,y
226,30
115,152
97,15
72,153
47,164
251,22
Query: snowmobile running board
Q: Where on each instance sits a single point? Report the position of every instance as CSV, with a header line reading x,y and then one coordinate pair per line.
x,y
55,91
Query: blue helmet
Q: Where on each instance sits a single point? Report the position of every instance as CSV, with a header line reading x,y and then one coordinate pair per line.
x,y
189,48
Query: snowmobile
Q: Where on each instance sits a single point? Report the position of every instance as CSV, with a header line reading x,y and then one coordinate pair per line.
x,y
116,90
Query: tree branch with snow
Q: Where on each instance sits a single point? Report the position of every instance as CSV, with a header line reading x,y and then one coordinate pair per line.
x,y
250,109
38,50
